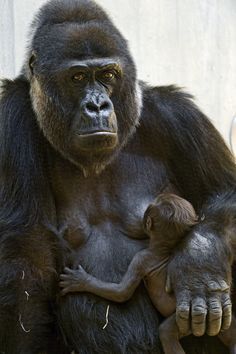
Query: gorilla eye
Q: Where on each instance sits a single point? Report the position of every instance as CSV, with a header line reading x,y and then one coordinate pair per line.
x,y
78,77
108,75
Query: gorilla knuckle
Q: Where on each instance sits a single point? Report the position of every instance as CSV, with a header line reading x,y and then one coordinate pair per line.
x,y
227,305
198,317
215,314
213,286
199,312
224,286
227,310
215,310
183,312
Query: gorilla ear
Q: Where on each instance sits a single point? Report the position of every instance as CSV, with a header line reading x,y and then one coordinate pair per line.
x,y
32,61
148,223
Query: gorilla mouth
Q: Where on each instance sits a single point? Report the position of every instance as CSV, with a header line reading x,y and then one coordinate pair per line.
x,y
97,133
97,140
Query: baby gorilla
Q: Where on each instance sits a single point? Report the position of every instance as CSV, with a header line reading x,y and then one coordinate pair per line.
x,y
166,221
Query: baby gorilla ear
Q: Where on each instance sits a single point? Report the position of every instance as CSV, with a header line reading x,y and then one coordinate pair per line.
x,y
149,223
147,219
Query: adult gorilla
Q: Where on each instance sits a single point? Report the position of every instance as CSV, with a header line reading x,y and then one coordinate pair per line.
x,y
84,149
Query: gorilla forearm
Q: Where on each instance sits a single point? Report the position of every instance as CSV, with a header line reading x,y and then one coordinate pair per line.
x,y
219,214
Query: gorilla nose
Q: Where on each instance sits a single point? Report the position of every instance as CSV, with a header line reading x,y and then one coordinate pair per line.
x,y
97,115
101,106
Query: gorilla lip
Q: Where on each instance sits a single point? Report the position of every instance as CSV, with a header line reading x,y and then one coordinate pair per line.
x,y
99,140
98,133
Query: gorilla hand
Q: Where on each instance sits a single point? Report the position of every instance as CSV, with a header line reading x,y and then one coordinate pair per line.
x,y
200,274
74,280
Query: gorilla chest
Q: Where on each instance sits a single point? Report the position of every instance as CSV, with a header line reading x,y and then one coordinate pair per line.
x,y
112,203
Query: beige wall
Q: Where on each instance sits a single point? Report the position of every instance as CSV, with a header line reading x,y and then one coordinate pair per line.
x,y
188,42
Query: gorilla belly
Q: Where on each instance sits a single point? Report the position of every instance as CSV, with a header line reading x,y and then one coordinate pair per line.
x,y
132,326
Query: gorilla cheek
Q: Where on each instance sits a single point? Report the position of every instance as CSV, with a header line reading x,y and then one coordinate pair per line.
x,y
49,118
112,122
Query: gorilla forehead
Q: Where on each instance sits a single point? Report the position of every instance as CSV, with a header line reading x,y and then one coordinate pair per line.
x,y
75,29
74,41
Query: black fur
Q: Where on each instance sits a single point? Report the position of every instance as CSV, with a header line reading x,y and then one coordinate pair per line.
x,y
171,142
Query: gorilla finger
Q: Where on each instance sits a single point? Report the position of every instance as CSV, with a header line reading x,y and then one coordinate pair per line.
x,y
227,311
68,270
224,286
80,267
63,284
199,313
215,286
214,316
64,291
64,277
183,312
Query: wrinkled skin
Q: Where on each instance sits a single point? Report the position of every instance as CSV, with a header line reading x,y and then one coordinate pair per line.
x,y
88,156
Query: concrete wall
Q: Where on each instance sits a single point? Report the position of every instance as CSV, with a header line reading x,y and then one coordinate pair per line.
x,y
188,42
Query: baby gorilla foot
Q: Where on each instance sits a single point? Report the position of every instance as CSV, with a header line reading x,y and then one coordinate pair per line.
x,y
74,280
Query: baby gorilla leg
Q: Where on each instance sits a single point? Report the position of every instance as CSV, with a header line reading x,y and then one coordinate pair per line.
x,y
169,336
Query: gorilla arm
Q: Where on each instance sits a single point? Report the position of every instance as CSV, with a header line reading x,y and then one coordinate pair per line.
x,y
204,172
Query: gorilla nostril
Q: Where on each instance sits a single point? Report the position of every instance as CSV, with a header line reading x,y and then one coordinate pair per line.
x,y
91,107
96,108
104,106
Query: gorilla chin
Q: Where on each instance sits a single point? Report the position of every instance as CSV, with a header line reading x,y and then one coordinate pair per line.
x,y
94,150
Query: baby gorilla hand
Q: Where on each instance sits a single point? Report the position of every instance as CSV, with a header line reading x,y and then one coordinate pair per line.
x,y
74,280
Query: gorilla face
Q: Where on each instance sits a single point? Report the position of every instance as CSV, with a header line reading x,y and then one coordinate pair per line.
x,y
83,89
96,124
84,92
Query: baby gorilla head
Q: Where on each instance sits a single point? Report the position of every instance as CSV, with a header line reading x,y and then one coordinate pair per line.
x,y
168,218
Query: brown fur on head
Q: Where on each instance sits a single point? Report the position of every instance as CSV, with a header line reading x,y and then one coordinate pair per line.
x,y
169,215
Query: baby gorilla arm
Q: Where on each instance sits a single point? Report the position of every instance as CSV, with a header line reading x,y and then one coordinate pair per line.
x,y
78,280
